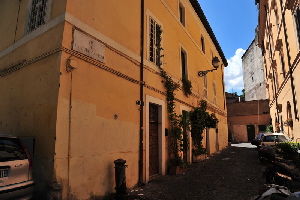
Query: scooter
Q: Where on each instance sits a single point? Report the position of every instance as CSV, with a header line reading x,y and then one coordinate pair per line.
x,y
278,170
276,192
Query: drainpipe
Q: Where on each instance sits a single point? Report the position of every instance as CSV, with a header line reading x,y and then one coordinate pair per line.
x,y
71,65
289,64
141,152
17,21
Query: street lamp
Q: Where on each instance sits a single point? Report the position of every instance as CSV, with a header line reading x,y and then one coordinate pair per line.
x,y
215,63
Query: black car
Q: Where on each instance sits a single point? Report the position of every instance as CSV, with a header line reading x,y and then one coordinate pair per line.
x,y
257,140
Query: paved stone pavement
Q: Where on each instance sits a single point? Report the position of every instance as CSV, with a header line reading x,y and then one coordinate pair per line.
x,y
233,173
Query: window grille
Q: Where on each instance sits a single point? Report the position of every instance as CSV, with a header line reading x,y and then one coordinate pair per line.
x,y
37,14
155,36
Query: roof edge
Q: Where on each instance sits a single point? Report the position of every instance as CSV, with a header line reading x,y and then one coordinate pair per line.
x,y
205,22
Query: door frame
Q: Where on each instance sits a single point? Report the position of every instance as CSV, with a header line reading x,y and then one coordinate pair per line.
x,y
161,136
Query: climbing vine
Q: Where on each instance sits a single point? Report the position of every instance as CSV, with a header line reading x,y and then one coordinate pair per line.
x,y
175,121
186,86
201,119
196,120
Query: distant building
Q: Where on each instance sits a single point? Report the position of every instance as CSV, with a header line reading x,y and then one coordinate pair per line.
x,y
253,73
247,119
279,40
232,97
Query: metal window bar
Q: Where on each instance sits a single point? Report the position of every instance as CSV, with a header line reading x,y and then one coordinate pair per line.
x,y
152,40
37,15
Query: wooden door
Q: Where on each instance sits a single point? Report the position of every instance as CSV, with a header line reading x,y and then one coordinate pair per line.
x,y
251,132
153,140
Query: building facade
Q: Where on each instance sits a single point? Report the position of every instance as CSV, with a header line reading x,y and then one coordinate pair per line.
x,y
83,80
278,37
254,80
247,119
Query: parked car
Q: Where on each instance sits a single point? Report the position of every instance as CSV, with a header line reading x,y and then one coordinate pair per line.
x,y
16,180
270,139
257,140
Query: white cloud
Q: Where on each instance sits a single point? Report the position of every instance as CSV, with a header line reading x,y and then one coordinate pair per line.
x,y
234,73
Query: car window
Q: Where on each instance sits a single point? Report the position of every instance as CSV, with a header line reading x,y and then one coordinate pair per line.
x,y
11,149
282,138
269,138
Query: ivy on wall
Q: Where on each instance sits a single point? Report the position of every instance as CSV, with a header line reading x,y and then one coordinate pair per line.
x,y
196,120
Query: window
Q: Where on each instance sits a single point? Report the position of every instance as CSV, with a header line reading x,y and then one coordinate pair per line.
x,y
183,57
205,86
297,19
277,18
262,128
202,44
182,14
37,14
282,63
270,47
155,37
215,92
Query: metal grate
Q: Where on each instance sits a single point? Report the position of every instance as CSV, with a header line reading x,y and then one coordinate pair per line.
x,y
154,40
37,14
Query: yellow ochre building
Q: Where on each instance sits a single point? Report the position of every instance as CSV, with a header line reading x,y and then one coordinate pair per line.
x,y
279,39
82,79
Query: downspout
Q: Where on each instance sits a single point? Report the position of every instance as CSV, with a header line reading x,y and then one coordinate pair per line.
x,y
289,64
69,68
17,21
141,152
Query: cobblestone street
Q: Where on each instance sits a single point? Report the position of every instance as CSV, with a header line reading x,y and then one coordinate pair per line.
x,y
233,173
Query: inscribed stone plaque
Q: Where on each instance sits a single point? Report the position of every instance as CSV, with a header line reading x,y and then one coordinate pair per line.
x,y
88,46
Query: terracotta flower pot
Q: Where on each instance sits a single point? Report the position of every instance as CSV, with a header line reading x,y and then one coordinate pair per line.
x,y
174,170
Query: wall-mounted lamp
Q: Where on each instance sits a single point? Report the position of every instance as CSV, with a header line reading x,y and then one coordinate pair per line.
x,y
215,63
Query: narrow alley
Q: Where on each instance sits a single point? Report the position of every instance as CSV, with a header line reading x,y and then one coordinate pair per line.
x,y
233,173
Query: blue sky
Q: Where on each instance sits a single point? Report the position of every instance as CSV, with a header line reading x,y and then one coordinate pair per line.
x,y
233,23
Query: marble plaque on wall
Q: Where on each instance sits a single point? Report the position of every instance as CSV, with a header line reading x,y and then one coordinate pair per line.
x,y
88,46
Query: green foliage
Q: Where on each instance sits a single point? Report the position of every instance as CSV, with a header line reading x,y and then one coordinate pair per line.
x,y
176,161
186,86
289,151
269,129
201,119
243,95
175,121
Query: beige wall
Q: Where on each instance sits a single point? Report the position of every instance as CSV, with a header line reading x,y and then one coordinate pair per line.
x,y
238,125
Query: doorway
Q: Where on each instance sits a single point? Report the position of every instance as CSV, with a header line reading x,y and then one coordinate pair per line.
x,y
153,140
251,132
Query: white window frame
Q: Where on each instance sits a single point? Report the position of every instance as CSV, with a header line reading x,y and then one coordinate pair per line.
x,y
205,86
152,55
185,72
202,42
181,11
215,92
